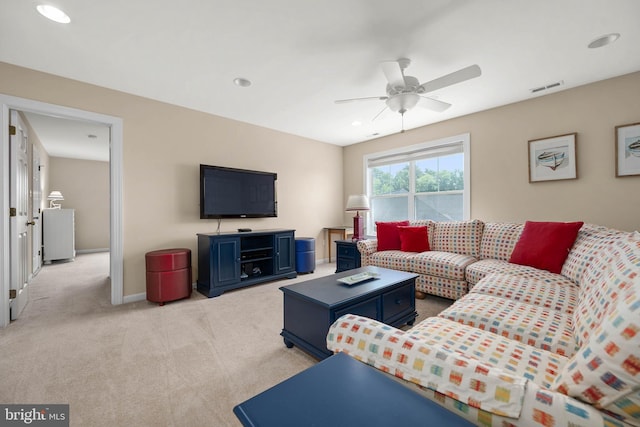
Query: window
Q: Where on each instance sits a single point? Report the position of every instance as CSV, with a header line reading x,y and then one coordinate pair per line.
x,y
424,181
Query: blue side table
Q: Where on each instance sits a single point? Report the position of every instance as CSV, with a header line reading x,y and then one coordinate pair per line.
x,y
342,392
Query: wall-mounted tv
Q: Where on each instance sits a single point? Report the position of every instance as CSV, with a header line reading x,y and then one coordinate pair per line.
x,y
237,193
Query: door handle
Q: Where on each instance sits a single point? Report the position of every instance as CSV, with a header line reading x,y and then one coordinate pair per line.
x,y
31,223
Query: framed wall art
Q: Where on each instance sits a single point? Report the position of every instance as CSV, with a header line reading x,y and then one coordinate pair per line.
x,y
628,150
554,158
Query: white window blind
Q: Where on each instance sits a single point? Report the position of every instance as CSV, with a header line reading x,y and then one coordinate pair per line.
x,y
424,181
418,154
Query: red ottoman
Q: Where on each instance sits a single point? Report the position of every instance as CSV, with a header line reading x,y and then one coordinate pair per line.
x,y
168,275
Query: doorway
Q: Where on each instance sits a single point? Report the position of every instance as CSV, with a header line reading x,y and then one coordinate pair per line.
x,y
114,124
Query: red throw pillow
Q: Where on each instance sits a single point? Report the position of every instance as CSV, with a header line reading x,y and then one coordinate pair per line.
x,y
414,239
545,245
388,235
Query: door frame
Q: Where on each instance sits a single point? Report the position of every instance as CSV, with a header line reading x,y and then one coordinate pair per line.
x,y
36,229
115,180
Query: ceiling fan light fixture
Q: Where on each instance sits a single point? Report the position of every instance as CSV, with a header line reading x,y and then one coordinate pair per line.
x,y
53,13
402,102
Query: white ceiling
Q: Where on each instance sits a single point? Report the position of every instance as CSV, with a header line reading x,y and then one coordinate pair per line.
x,y
303,55
72,139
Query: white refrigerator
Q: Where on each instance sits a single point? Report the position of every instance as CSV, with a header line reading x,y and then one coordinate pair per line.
x,y
58,234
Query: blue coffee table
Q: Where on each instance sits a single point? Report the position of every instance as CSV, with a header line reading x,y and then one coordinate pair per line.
x,y
340,391
311,307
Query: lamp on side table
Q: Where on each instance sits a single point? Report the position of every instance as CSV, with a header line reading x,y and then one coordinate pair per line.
x,y
357,203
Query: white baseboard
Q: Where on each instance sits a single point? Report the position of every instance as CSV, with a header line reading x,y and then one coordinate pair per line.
x,y
134,298
91,251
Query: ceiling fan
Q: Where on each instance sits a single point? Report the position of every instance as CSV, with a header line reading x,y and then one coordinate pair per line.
x,y
404,92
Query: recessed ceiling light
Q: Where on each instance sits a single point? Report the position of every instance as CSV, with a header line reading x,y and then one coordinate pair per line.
x,y
356,123
604,40
53,13
239,81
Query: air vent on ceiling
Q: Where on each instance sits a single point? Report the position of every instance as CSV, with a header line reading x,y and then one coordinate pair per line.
x,y
549,86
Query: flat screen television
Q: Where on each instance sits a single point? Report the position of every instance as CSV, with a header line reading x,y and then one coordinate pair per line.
x,y
237,193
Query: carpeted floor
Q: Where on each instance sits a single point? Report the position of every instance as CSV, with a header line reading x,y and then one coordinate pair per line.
x,y
184,364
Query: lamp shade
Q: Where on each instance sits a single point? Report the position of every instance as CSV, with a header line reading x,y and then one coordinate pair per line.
x,y
358,202
55,195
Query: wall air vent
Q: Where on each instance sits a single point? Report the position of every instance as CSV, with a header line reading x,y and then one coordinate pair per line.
x,y
546,87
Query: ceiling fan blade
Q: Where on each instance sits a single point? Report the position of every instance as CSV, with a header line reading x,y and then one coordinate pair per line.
x,y
393,73
434,104
368,98
459,76
379,114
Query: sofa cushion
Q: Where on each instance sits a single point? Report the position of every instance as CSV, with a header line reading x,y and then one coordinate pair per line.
x,y
560,295
545,245
543,328
451,373
540,408
441,264
591,240
501,352
395,260
476,271
414,239
499,239
388,235
459,237
606,370
442,286
602,282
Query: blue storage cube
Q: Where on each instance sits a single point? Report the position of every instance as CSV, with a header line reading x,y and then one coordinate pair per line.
x,y
305,254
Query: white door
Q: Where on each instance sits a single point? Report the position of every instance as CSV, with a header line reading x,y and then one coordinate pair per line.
x,y
36,197
19,205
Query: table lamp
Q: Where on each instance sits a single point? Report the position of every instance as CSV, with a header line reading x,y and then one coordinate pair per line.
x,y
55,196
357,203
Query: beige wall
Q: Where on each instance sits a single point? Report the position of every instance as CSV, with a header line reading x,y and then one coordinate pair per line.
x,y
85,187
163,146
500,190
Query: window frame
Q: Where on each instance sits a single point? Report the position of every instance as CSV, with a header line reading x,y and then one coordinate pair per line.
x,y
463,139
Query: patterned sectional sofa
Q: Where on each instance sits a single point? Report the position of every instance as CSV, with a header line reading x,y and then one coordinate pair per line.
x,y
524,347
463,252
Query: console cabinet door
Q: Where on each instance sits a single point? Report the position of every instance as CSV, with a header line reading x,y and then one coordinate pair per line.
x,y
285,252
225,253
